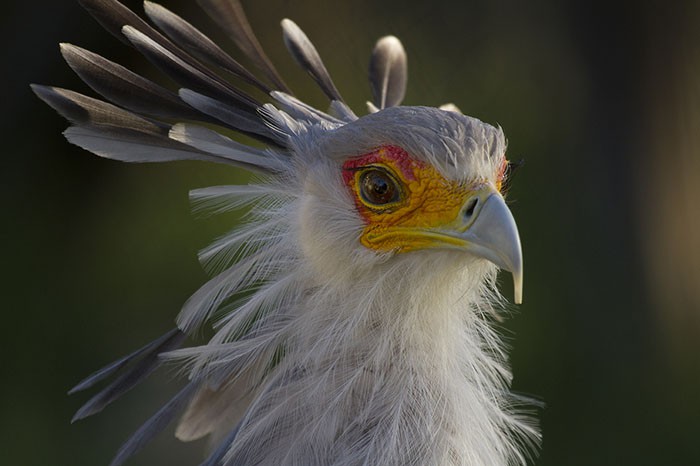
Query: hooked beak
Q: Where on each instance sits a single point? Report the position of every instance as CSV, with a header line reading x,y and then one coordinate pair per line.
x,y
488,230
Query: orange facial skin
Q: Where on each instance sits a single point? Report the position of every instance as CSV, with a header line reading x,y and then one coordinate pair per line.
x,y
501,176
427,201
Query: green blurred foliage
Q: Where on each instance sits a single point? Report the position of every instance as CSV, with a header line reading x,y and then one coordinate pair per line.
x,y
99,256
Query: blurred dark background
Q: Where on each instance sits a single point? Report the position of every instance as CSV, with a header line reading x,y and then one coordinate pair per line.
x,y
602,100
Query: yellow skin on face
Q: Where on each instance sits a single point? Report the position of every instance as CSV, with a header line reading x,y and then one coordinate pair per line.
x,y
426,202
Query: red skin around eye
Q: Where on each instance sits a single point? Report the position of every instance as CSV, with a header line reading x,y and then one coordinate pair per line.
x,y
384,154
500,176
427,200
502,170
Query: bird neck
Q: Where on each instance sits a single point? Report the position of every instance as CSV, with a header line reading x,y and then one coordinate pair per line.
x,y
395,369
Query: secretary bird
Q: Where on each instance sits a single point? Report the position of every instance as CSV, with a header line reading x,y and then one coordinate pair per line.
x,y
354,311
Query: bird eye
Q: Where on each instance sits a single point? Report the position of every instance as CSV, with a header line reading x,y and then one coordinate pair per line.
x,y
378,187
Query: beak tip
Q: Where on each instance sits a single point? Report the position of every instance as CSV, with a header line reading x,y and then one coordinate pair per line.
x,y
518,288
518,297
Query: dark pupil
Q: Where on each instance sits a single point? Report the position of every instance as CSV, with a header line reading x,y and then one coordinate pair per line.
x,y
377,187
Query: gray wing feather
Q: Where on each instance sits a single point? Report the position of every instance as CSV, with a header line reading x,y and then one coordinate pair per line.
x,y
216,457
231,17
212,142
126,88
84,110
114,133
259,407
308,58
114,17
185,74
210,410
153,347
133,146
159,421
342,110
149,361
230,115
301,110
191,39
388,72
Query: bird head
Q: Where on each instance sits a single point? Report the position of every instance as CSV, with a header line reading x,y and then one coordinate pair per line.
x,y
403,180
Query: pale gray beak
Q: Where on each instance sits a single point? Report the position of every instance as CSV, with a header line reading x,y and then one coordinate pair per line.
x,y
491,233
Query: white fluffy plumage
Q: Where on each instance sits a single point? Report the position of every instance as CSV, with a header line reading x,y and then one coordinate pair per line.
x,y
388,359
326,352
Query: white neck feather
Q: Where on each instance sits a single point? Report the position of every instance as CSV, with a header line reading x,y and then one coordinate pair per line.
x,y
391,373
385,361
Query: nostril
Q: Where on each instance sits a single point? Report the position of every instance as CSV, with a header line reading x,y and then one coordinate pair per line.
x,y
471,206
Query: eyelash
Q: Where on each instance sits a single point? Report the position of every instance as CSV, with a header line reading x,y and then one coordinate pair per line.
x,y
511,168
